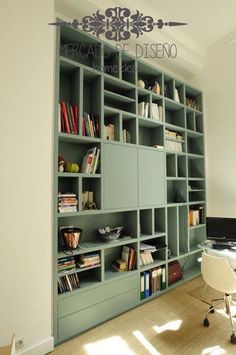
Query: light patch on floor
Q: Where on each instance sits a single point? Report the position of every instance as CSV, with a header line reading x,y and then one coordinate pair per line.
x,y
214,350
148,346
172,325
114,345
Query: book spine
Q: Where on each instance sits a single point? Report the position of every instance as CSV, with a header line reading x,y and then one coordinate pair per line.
x,y
65,117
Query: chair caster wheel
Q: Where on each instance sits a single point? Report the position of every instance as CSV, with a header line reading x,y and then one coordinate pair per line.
x,y
233,339
211,309
206,322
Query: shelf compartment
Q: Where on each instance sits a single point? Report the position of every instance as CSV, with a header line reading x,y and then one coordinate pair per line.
x,y
168,87
172,231
196,236
181,92
92,95
199,122
144,99
149,75
190,265
171,165
195,145
128,69
181,166
159,221
69,185
175,117
111,61
129,131
90,227
93,186
118,96
196,195
160,255
176,191
146,222
80,48
112,122
69,92
150,136
183,229
75,151
196,167
195,98
113,254
190,118
196,185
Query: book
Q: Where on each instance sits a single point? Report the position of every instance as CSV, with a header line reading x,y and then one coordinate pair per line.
x,y
146,284
176,95
141,108
142,286
146,110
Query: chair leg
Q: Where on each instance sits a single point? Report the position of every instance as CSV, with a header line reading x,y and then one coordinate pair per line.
x,y
228,301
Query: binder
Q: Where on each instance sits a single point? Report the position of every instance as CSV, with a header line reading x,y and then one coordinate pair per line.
x,y
146,284
142,286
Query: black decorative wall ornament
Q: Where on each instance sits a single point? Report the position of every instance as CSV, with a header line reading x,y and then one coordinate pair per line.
x,y
117,24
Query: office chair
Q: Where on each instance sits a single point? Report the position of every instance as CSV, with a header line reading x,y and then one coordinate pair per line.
x,y
218,274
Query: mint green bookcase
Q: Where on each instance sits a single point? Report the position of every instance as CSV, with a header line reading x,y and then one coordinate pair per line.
x,y
135,185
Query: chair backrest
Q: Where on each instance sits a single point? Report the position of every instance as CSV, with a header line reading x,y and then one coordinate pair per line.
x,y
217,273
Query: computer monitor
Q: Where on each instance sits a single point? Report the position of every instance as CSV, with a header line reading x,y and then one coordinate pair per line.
x,y
221,229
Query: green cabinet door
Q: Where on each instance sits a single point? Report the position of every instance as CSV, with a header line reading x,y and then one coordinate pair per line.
x,y
120,182
151,172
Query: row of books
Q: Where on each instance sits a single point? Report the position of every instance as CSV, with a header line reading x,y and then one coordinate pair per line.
x,y
68,283
126,135
196,216
88,260
90,161
90,125
174,146
67,202
68,118
151,281
127,260
156,111
66,264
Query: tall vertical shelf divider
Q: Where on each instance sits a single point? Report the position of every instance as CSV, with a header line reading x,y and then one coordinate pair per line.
x,y
150,180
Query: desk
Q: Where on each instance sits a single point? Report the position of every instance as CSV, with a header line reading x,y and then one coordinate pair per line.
x,y
230,255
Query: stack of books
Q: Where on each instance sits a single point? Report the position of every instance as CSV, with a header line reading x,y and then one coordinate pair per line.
x,y
90,125
67,202
88,260
66,264
171,142
152,281
119,265
68,118
68,283
90,161
126,261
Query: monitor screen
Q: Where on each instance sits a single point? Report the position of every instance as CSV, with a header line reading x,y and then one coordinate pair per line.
x,y
221,229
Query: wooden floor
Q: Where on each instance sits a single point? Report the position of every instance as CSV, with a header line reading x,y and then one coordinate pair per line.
x,y
170,324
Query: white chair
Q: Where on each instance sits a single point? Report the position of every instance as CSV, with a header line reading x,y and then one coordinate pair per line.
x,y
9,349
218,274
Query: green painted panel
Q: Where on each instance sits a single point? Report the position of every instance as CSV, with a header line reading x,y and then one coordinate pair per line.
x,y
120,184
87,299
80,321
151,171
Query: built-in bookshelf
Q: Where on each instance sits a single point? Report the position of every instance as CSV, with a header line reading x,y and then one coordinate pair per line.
x,y
127,155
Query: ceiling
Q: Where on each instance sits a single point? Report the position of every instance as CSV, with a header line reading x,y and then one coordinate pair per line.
x,y
209,24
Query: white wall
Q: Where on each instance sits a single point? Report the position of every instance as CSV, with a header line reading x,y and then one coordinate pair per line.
x,y
26,116
218,81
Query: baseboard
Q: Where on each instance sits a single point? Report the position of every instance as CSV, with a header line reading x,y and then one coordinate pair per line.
x,y
41,348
